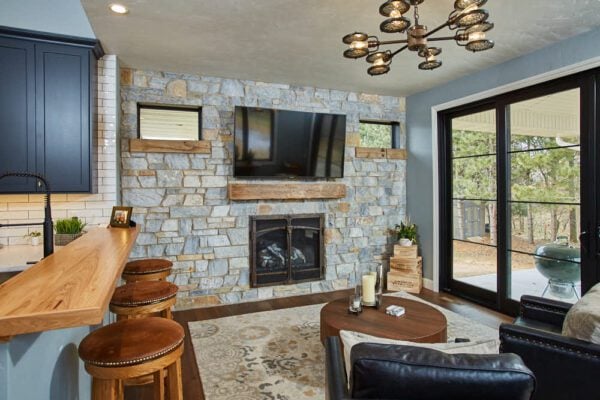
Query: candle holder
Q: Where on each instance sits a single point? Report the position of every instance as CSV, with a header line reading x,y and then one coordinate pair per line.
x,y
354,301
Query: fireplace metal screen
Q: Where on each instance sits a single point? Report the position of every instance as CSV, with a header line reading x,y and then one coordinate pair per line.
x,y
286,249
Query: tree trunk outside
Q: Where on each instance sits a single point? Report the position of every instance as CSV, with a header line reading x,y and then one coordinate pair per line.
x,y
530,237
460,216
493,222
573,234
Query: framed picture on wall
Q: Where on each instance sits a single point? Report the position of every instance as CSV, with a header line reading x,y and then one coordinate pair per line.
x,y
121,217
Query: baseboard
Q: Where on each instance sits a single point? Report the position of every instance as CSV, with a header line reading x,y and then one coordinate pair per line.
x,y
428,284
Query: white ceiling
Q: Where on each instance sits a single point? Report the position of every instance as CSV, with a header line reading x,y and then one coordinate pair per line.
x,y
299,41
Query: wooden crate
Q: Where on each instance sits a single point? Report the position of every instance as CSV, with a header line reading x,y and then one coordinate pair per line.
x,y
406,281
414,265
405,251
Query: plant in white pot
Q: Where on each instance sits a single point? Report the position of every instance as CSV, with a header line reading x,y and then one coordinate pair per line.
x,y
67,230
34,238
406,233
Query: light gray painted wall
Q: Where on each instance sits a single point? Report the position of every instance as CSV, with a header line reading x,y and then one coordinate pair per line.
x,y
65,17
44,366
419,182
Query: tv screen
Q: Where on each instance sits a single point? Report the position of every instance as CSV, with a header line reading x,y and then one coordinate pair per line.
x,y
288,144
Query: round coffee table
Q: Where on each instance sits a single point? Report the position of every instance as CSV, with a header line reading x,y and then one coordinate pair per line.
x,y
421,322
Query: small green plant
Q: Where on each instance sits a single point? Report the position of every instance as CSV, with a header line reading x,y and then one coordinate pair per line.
x,y
69,225
34,234
406,230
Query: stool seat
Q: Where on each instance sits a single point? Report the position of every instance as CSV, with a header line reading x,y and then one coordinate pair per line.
x,y
143,293
131,342
147,266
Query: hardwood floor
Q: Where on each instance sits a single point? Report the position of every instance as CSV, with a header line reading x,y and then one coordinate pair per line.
x,y
192,385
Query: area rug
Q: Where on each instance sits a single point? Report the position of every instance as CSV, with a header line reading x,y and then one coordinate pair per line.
x,y
278,355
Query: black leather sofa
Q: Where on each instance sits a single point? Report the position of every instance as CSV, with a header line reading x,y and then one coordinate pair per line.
x,y
413,373
565,368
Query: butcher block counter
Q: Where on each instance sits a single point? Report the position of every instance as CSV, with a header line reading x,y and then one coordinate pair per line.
x,y
69,288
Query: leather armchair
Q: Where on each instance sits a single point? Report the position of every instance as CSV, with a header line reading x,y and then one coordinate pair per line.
x,y
565,368
412,373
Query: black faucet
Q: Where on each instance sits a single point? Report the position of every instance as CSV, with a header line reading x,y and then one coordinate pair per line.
x,y
48,233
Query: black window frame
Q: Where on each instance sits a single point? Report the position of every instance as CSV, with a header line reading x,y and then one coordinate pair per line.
x,y
589,84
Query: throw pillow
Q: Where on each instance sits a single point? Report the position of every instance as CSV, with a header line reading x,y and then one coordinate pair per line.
x,y
583,319
484,346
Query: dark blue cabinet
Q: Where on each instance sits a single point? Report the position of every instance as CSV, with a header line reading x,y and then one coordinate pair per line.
x,y
47,102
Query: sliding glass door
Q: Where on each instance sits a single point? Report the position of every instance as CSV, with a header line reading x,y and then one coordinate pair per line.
x,y
519,195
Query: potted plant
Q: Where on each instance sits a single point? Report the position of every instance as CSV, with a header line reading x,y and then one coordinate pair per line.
x,y
67,230
406,233
34,237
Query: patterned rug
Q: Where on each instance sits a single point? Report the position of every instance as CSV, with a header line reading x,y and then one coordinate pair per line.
x,y
278,355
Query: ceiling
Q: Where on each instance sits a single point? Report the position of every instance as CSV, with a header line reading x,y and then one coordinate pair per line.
x,y
299,42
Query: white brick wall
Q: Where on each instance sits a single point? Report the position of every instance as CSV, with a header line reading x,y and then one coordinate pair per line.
x,y
94,209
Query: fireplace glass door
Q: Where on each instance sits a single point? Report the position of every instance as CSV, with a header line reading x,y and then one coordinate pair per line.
x,y
286,249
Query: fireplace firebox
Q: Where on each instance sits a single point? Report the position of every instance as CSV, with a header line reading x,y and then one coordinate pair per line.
x,y
286,249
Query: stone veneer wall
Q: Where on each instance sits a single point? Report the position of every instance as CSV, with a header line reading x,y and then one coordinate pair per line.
x,y
181,199
94,208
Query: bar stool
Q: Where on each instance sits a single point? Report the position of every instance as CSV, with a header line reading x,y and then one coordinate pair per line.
x,y
133,348
143,298
151,269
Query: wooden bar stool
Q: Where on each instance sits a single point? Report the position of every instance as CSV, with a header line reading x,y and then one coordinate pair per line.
x,y
144,298
151,269
133,348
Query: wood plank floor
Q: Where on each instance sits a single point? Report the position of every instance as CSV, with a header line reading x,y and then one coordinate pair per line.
x,y
192,385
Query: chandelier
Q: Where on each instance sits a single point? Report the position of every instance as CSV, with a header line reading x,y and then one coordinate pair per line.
x,y
468,20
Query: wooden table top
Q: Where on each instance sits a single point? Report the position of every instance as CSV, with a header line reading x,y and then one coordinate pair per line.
x,y
421,322
71,287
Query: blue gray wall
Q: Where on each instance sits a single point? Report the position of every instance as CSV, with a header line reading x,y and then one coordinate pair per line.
x,y
65,17
419,181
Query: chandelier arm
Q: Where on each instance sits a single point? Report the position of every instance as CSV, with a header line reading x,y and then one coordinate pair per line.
x,y
439,28
383,43
398,51
439,39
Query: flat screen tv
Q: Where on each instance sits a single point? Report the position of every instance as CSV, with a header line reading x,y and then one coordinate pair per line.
x,y
281,144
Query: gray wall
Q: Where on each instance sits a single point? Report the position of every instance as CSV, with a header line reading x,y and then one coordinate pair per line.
x,y
419,180
65,17
44,366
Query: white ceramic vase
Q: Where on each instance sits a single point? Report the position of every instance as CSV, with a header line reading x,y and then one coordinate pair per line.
x,y
405,242
35,240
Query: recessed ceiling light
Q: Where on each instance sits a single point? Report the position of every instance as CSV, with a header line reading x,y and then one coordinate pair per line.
x,y
118,8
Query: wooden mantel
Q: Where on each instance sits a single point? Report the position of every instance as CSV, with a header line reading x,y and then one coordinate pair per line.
x,y
286,191
71,287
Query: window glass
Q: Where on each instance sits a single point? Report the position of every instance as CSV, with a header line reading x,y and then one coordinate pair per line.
x,y
169,123
373,134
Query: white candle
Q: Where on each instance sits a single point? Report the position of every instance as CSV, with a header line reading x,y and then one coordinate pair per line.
x,y
356,303
368,283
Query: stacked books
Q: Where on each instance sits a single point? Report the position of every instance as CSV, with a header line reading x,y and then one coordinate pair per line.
x,y
406,270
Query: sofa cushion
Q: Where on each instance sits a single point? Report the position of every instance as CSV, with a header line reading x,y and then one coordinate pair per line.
x,y
414,373
583,319
484,346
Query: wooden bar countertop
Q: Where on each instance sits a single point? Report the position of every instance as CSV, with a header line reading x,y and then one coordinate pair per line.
x,y
71,287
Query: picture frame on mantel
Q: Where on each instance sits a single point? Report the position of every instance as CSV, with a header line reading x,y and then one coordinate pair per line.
x,y
121,217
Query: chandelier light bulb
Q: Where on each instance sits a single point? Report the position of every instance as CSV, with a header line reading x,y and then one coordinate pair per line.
x,y
379,62
395,14
359,45
475,36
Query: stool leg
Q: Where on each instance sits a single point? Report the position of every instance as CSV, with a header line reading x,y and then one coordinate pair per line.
x,y
168,313
159,385
105,389
174,381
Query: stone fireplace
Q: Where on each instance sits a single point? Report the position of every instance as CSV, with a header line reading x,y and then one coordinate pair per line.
x,y
286,249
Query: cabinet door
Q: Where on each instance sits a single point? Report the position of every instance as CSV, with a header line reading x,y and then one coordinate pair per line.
x,y
63,116
17,113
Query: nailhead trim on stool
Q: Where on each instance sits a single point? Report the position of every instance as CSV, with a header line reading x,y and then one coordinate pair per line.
x,y
131,349
144,298
150,269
